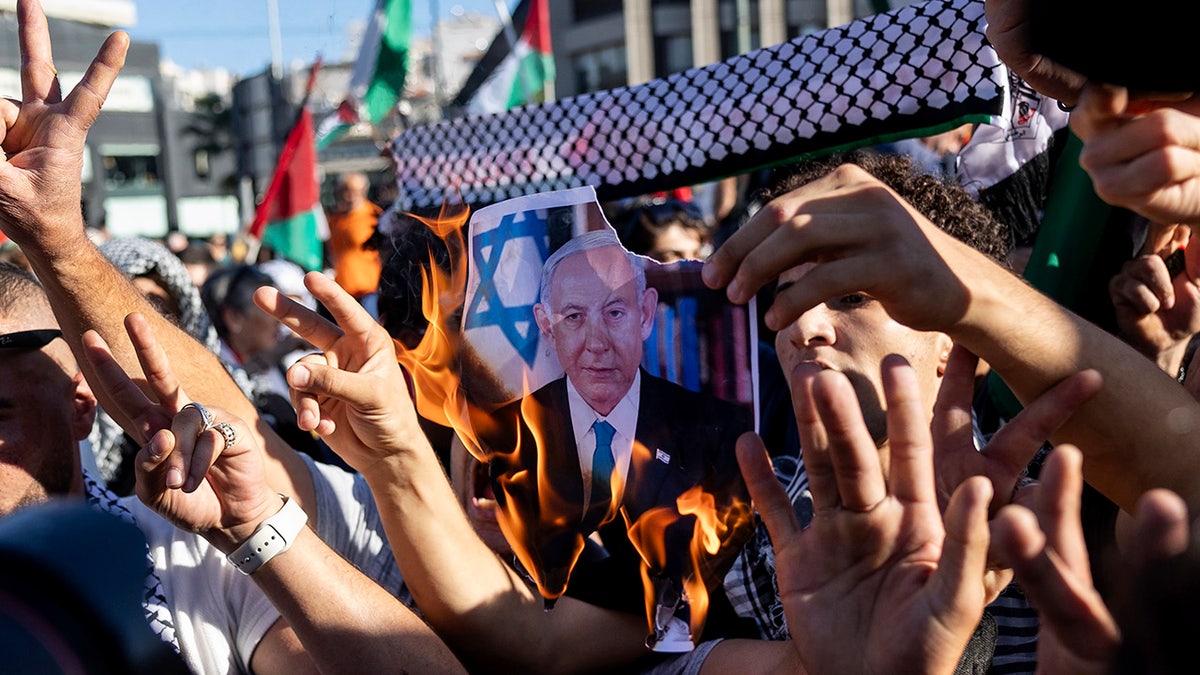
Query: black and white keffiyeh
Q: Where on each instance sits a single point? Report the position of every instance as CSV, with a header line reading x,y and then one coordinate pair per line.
x,y
154,599
917,70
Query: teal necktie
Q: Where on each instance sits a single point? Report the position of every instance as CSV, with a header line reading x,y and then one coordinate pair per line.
x,y
603,462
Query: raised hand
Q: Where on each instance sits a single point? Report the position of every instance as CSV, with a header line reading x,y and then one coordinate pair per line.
x,y
1077,632
43,134
875,583
1005,456
188,472
1141,155
353,393
863,239
1158,313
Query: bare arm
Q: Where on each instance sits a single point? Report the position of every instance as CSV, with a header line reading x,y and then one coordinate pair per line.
x,y
864,238
356,397
204,483
43,139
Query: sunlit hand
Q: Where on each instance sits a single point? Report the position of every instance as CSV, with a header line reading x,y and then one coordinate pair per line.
x,y
1005,456
875,583
1158,314
353,393
864,239
43,135
1143,156
186,472
1077,633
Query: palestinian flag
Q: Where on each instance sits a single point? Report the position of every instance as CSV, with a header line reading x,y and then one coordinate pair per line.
x,y
515,74
290,219
378,78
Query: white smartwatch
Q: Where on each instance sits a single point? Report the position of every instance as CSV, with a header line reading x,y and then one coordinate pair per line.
x,y
274,536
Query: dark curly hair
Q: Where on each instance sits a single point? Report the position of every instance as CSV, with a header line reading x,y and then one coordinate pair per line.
x,y
947,205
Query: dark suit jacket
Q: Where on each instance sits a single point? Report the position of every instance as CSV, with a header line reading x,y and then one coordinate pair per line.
x,y
683,439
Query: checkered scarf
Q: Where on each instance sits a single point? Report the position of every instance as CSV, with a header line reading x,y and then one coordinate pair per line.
x,y
154,599
917,70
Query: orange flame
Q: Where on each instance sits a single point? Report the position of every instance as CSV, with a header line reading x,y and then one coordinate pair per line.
x,y
541,520
716,534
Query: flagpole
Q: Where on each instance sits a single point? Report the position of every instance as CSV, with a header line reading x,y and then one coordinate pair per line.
x,y
509,32
276,38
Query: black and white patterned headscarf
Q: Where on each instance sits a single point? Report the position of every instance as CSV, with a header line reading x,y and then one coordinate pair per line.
x,y
138,257
154,599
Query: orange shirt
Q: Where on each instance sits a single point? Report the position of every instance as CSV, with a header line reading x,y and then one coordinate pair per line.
x,y
355,270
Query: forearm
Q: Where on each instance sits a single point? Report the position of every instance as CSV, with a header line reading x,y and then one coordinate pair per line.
x,y
1135,434
479,605
88,293
345,621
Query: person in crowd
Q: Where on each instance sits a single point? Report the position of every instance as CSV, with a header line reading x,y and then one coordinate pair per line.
x,y
850,334
665,230
351,223
39,180
165,282
194,598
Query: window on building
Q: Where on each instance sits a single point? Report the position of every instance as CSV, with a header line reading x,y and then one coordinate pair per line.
x,y
200,160
727,10
601,69
672,54
591,9
131,168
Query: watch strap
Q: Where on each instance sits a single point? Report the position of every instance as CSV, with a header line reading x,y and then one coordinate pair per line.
x,y
274,536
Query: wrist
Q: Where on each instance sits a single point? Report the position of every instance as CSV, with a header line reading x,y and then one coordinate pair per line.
x,y
271,537
230,535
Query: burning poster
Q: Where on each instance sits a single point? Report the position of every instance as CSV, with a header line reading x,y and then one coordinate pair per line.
x,y
617,388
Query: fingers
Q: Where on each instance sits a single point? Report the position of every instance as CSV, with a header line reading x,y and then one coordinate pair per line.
x,y
345,309
909,442
37,64
193,452
301,320
814,443
84,101
151,466
154,362
1015,444
952,426
768,494
1068,605
855,458
1099,109
112,377
778,237
1144,285
958,593
1160,526
1058,505
306,395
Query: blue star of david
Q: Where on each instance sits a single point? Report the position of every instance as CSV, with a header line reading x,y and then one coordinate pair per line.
x,y
487,308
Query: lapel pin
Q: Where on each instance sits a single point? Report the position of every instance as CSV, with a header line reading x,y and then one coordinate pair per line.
x,y
662,456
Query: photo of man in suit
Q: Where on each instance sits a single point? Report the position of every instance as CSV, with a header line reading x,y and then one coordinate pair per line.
x,y
606,443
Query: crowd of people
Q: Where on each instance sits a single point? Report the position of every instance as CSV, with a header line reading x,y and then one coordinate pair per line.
x,y
299,515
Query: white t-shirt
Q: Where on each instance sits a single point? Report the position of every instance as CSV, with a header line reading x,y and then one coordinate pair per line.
x,y
220,614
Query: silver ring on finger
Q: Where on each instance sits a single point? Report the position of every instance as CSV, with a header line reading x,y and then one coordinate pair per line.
x,y
205,416
228,433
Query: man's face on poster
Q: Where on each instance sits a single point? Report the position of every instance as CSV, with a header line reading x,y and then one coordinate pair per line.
x,y
597,320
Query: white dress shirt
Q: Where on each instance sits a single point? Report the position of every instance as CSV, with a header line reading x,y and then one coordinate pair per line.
x,y
623,419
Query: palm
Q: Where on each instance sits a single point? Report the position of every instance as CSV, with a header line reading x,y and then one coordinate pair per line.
x,y
891,581
42,135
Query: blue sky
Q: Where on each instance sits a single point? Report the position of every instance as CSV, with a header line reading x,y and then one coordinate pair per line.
x,y
233,33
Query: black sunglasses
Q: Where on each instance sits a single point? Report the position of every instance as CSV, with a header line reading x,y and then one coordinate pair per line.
x,y
29,339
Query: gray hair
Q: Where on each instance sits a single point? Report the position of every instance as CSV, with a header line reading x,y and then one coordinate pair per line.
x,y
587,242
